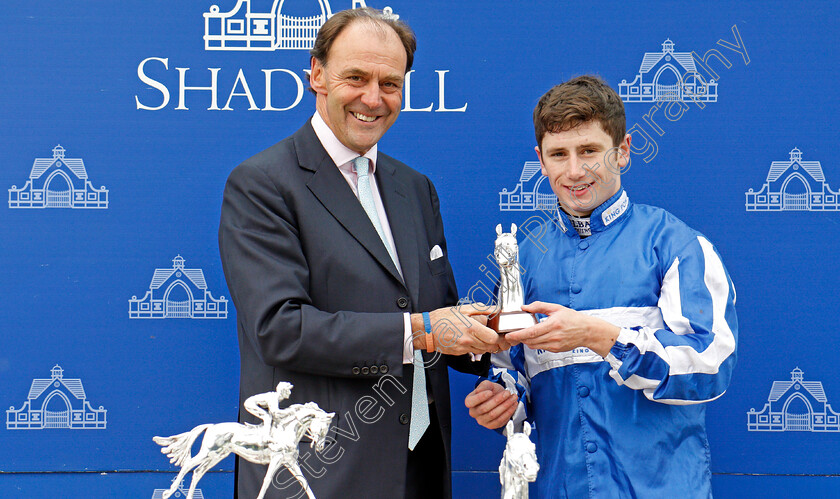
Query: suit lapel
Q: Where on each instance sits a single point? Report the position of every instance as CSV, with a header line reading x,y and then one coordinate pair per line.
x,y
331,189
404,227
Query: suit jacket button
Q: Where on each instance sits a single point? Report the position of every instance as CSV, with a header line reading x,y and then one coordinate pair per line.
x,y
402,302
356,370
404,418
366,370
374,370
383,369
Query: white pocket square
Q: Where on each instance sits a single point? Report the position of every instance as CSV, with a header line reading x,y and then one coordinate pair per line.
x,y
435,253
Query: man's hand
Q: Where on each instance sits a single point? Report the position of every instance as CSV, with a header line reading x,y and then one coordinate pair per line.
x,y
458,330
491,405
565,329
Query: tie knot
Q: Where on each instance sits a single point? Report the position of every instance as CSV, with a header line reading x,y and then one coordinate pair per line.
x,y
361,164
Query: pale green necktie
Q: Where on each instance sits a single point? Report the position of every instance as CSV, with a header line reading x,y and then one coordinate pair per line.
x,y
419,398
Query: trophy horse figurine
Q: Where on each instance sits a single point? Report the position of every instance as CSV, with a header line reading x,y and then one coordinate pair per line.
x,y
510,299
274,442
519,463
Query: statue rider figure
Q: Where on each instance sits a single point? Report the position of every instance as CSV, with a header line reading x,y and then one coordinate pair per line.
x,y
266,406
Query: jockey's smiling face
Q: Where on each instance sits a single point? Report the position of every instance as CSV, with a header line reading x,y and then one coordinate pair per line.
x,y
583,166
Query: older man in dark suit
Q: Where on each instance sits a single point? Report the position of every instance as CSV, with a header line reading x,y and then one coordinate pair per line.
x,y
332,251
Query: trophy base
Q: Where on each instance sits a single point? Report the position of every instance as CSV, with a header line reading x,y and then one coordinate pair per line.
x,y
508,322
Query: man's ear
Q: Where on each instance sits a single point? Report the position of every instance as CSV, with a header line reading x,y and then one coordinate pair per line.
x,y
624,153
317,76
539,157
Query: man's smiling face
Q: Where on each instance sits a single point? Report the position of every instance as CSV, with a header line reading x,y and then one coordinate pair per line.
x,y
583,166
359,89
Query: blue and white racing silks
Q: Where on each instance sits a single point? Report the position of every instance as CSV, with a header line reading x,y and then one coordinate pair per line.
x,y
633,424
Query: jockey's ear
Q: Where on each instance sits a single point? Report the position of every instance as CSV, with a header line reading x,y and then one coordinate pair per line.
x,y
499,230
526,429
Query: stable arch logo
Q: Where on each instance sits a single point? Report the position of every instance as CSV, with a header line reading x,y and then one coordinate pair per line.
x,y
284,27
58,182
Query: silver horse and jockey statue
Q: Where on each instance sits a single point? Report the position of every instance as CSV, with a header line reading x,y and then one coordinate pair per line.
x,y
519,463
274,442
510,299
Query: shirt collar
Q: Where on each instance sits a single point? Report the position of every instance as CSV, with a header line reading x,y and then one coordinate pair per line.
x,y
611,211
581,225
608,213
340,154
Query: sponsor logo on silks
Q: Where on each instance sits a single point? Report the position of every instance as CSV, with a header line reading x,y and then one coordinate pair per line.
x,y
548,355
58,182
794,185
179,493
795,405
178,293
537,361
582,225
285,27
609,215
56,402
669,76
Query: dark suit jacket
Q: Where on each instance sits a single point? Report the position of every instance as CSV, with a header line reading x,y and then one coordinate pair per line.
x,y
320,304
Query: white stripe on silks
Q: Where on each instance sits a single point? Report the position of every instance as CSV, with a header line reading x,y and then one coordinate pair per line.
x,y
724,343
501,360
648,386
685,359
540,361
670,302
519,416
690,402
510,383
537,361
629,316
635,382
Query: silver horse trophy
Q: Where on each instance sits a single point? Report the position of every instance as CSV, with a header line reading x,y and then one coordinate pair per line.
x,y
510,316
274,442
519,463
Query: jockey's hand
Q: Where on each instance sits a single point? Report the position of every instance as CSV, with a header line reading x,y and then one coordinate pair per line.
x,y
491,405
564,330
458,330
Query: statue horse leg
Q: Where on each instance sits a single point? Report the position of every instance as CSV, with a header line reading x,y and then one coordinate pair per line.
x,y
273,466
296,471
177,448
185,468
209,459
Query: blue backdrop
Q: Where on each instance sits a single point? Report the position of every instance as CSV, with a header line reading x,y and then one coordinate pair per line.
x,y
117,324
